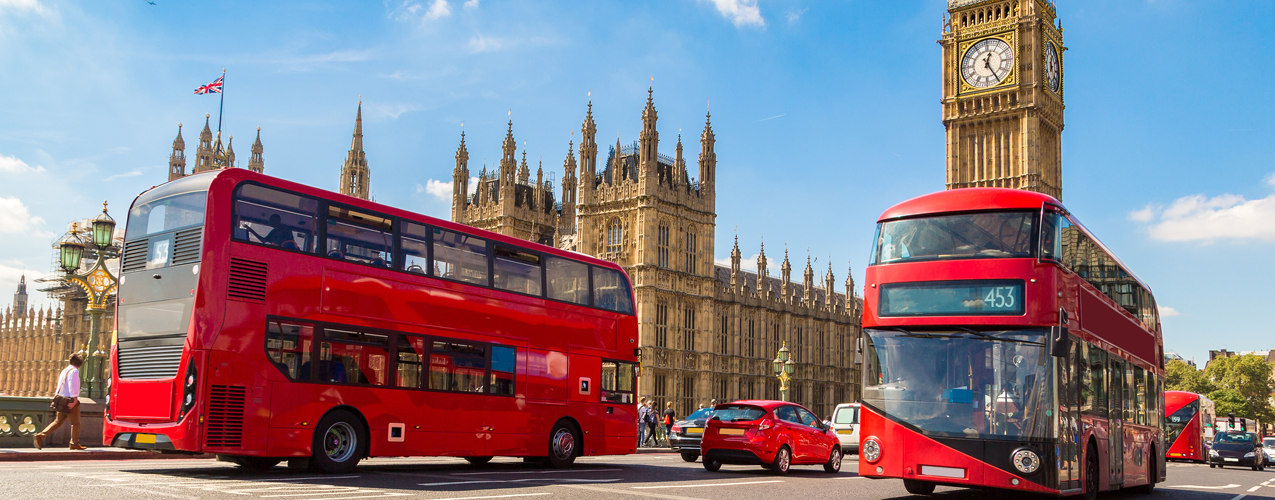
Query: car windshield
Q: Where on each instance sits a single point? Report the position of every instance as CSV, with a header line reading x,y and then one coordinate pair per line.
x,y
966,236
846,415
993,384
1234,437
700,414
738,413
1268,442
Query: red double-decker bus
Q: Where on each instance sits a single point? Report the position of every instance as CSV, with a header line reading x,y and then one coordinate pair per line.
x,y
1189,426
1007,348
263,320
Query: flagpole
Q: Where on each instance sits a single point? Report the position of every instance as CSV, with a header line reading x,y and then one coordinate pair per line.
x,y
222,106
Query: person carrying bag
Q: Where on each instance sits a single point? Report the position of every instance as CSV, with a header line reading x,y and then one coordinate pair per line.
x,y
66,403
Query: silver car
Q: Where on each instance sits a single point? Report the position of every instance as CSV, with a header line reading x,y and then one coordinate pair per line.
x,y
688,432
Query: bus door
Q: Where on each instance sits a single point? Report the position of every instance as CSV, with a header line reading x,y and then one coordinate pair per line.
x,y
1115,415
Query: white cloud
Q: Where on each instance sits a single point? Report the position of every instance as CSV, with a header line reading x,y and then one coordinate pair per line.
x,y
392,111
12,164
483,43
1200,218
1144,214
133,173
14,216
471,4
438,9
795,15
1166,312
22,5
1270,180
740,12
443,190
749,263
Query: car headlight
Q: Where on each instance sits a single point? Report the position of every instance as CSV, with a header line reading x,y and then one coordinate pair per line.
x,y
1212,453
1250,454
871,450
1025,460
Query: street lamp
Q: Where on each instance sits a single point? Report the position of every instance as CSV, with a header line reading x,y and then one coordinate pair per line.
x,y
98,284
783,366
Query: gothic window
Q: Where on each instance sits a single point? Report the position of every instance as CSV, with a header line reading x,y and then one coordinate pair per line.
x,y
690,251
751,347
615,236
720,389
663,244
688,334
819,345
688,394
723,338
658,389
661,325
775,340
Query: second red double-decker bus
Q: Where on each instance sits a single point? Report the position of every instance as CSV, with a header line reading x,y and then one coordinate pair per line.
x,y
264,320
1006,348
1188,426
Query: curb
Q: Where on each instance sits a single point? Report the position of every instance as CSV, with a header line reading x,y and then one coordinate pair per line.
x,y
58,456
644,451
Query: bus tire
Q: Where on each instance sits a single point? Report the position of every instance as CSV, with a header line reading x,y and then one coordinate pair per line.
x,y
256,464
1091,473
918,487
478,460
564,445
340,441
1152,472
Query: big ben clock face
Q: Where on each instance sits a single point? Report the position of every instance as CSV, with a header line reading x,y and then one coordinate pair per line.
x,y
1051,66
987,63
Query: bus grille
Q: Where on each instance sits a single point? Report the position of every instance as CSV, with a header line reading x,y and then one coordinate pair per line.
x,y
186,246
134,255
143,363
225,416
247,280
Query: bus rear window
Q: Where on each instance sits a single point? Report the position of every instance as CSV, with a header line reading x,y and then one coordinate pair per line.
x,y
965,236
738,413
611,291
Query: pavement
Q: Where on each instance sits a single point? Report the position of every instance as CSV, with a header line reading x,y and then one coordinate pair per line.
x,y
51,454
630,477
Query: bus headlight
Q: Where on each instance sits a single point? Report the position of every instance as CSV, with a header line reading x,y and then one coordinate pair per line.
x,y
871,450
1025,460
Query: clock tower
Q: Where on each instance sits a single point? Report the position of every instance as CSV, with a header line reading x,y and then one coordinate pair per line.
x,y
1003,95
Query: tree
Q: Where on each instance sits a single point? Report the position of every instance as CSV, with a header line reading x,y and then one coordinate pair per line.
x,y
1249,378
1227,402
1182,377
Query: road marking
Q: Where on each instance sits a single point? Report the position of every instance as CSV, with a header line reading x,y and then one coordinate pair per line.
x,y
382,495
850,477
453,483
152,492
1255,488
625,492
499,496
531,472
558,479
1206,487
707,484
1238,497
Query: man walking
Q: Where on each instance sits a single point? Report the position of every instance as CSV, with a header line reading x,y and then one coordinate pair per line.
x,y
641,422
67,403
670,416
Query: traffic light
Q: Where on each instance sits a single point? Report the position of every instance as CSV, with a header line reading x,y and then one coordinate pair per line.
x,y
1230,420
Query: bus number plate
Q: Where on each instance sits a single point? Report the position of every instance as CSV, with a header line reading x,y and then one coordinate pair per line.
x,y
144,438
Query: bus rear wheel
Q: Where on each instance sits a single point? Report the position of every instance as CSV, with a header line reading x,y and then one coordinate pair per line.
x,y
478,460
918,487
1152,471
564,445
339,443
256,464
1091,474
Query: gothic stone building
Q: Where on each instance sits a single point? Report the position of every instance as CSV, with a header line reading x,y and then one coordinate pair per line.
x,y
210,155
707,332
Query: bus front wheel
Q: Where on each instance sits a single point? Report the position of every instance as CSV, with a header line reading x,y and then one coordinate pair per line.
x,y
564,445
256,464
918,487
339,443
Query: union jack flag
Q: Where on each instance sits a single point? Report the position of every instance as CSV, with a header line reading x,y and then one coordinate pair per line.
x,y
212,88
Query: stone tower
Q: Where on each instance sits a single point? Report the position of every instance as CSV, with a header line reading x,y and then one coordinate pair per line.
x,y
460,180
355,175
204,153
20,298
177,161
256,163
507,201
1003,95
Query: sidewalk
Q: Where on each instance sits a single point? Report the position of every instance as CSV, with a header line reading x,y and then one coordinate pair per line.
x,y
656,449
49,454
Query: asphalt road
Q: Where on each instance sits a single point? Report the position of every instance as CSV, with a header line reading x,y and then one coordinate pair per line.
x,y
633,477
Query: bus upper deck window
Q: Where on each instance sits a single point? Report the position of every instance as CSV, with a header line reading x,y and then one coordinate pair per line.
x,y
611,291
272,217
460,257
568,280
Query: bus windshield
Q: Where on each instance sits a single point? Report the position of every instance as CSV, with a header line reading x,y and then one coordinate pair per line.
x,y
1178,420
965,236
993,384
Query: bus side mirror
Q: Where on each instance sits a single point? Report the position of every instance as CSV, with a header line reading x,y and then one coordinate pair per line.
x,y
1059,341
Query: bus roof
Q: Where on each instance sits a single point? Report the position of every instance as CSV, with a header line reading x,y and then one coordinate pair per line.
x,y
969,199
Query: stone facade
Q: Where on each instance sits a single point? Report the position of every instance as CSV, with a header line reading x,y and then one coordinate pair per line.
x,y
706,331
355,176
1004,127
210,155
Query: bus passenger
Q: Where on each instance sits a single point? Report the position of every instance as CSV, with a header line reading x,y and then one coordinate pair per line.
x,y
278,233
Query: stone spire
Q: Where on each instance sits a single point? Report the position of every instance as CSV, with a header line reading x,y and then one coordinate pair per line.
x,y
257,163
763,274
177,161
786,269
523,173
617,167
508,162
736,281
218,153
355,175
460,181
679,166
567,219
230,153
707,158
649,139
588,153
850,302
204,153
809,283
828,282
20,298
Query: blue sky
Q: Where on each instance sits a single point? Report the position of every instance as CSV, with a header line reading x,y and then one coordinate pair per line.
x,y
825,114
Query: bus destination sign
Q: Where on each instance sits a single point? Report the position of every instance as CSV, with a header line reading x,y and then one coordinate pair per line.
x,y
952,298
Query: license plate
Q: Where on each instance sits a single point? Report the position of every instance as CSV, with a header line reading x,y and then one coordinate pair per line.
x,y
695,430
1231,459
845,431
731,432
144,438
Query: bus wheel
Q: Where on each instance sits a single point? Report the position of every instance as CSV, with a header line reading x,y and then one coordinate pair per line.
x,y
255,464
1091,474
478,460
338,443
1152,471
563,445
918,487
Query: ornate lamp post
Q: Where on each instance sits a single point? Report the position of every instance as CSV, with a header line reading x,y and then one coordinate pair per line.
x,y
98,284
784,367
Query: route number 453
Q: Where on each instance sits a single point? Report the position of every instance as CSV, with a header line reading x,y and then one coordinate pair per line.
x,y
1000,297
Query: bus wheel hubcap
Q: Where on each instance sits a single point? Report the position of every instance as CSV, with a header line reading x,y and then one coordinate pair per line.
x,y
564,444
340,442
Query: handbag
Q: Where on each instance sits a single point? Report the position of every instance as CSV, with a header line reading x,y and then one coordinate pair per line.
x,y
60,403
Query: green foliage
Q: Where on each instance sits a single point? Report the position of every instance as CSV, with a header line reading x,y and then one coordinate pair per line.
x,y
1182,377
1228,402
1244,381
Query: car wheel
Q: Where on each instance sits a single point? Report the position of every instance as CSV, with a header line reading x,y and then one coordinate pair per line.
x,y
255,464
783,459
478,460
712,465
690,457
564,445
339,443
834,460
918,487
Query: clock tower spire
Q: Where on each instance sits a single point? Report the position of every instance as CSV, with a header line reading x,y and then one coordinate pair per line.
x,y
1003,95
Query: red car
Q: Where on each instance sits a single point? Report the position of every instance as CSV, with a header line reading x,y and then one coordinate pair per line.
x,y
773,434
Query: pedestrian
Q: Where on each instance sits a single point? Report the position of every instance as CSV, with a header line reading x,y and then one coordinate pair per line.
x,y
651,420
66,401
641,422
670,416
712,404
